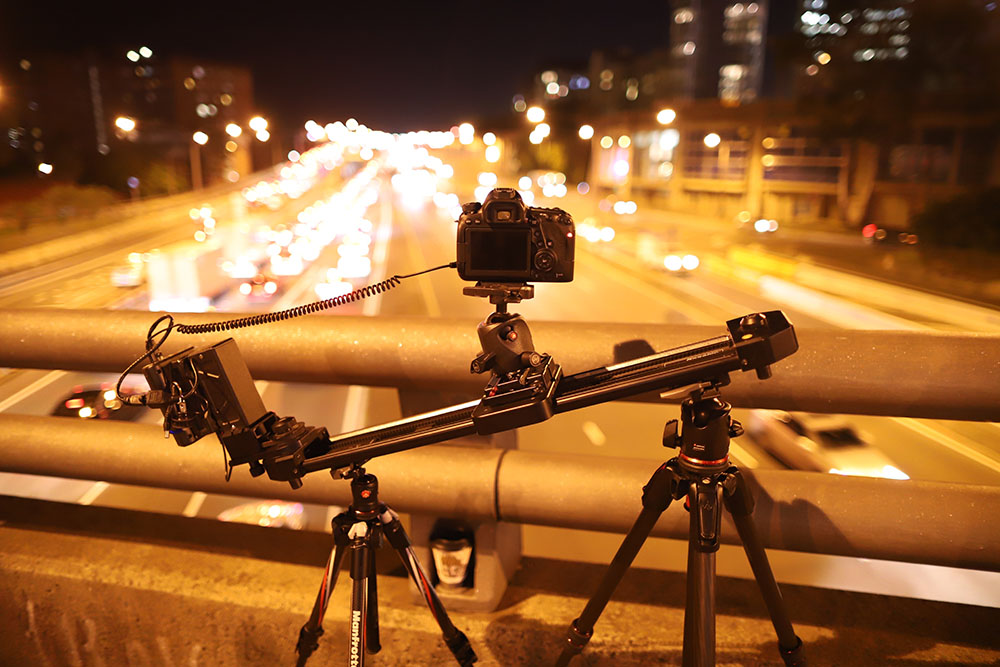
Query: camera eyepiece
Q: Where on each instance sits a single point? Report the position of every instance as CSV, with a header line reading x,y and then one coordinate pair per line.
x,y
504,205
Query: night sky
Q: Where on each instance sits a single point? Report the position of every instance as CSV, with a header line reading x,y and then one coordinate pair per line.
x,y
392,66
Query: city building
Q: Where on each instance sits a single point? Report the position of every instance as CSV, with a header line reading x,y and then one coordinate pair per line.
x,y
129,115
768,160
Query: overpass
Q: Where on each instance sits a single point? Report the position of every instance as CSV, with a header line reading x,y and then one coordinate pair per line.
x,y
108,586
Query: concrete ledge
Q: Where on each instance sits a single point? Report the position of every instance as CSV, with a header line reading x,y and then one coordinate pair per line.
x,y
92,588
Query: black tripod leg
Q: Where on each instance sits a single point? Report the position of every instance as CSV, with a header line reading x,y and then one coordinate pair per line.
x,y
739,501
313,629
703,543
360,574
371,622
656,497
456,640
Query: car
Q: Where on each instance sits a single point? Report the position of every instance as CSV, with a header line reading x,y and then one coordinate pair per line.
x,y
747,225
877,234
130,274
819,443
661,255
262,287
97,402
269,513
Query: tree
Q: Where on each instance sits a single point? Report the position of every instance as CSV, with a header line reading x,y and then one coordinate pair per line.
x,y
968,221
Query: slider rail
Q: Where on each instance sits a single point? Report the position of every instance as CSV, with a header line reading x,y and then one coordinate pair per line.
x,y
707,361
423,429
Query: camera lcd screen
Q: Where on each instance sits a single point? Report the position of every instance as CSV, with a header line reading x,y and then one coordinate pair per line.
x,y
501,250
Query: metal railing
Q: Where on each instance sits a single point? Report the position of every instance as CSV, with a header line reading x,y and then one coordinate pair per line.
x,y
898,373
953,376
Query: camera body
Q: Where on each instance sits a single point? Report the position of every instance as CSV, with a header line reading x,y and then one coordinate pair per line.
x,y
504,241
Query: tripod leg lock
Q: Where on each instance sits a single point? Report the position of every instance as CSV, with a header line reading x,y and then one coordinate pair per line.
x,y
661,489
460,648
576,640
706,516
739,499
392,528
793,657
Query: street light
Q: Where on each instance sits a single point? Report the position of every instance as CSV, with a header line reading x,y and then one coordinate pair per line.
x,y
466,134
199,139
712,139
234,130
125,124
586,132
666,116
258,124
536,114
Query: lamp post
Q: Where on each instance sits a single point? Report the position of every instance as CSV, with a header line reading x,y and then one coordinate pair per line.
x,y
125,128
198,139
259,126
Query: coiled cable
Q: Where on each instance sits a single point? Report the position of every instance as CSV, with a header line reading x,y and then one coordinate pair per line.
x,y
153,344
305,309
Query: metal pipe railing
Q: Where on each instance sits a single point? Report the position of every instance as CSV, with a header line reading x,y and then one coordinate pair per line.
x,y
907,374
922,522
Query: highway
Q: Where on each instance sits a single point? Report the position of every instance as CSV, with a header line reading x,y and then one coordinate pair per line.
x,y
613,283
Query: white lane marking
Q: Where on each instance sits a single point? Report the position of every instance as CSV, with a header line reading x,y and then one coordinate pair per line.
x,y
331,512
47,379
745,458
658,294
833,310
420,260
355,407
707,295
194,503
594,434
91,495
947,441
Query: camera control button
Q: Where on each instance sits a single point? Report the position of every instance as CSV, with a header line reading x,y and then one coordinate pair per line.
x,y
544,260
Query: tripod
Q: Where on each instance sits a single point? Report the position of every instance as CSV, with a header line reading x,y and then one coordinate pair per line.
x,y
359,529
703,474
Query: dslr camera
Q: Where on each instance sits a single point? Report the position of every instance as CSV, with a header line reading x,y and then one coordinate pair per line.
x,y
504,241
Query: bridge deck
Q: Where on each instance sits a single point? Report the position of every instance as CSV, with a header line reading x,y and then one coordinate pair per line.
x,y
86,585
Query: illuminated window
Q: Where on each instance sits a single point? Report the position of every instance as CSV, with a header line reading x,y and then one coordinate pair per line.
x,y
732,82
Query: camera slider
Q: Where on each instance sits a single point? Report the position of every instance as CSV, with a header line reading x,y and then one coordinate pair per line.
x,y
753,343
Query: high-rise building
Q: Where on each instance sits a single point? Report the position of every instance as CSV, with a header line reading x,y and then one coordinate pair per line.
x,y
79,111
872,29
718,49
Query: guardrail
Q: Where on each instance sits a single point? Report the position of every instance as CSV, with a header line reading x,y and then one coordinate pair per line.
x,y
920,522
954,376
897,373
